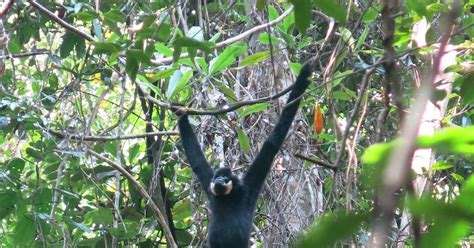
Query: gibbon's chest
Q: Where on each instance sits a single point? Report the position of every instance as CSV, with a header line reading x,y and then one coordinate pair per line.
x,y
230,223
233,210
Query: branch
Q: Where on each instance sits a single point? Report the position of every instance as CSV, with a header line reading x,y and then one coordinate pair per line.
x,y
26,54
397,173
355,111
143,193
255,29
232,39
318,162
60,21
228,108
110,138
225,109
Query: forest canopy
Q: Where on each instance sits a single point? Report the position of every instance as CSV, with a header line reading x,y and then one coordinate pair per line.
x,y
380,152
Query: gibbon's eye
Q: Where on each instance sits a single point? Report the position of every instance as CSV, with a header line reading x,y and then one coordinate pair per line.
x,y
221,185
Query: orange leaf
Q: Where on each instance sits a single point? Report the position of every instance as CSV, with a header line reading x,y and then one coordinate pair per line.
x,y
318,119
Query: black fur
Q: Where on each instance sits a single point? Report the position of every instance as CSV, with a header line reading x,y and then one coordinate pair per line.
x,y
231,215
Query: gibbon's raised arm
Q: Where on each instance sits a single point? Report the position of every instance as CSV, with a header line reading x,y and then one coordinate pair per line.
x,y
194,153
259,168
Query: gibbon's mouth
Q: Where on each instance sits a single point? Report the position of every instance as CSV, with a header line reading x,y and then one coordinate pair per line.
x,y
228,188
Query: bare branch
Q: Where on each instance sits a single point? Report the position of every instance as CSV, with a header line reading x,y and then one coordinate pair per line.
x,y
318,162
60,21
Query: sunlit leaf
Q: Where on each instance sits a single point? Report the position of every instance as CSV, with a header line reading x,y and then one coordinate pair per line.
x,y
243,141
253,109
227,57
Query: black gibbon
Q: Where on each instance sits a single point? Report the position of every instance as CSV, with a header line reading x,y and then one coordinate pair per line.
x,y
232,200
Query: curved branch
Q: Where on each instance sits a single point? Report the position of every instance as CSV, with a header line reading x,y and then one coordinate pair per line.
x,y
60,21
143,193
223,110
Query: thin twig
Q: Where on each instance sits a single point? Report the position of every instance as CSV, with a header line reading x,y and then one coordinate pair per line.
x,y
314,161
110,138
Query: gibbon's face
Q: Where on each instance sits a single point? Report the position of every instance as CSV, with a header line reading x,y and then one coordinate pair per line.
x,y
221,183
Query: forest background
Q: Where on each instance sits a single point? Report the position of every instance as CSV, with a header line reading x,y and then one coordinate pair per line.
x,y
380,152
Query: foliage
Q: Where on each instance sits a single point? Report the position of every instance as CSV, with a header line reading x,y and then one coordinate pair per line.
x,y
113,78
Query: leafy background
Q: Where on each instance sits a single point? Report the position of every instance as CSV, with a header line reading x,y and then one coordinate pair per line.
x,y
88,92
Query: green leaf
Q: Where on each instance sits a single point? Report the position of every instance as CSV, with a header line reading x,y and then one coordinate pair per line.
x,y
15,167
339,76
331,229
303,14
418,6
378,153
14,45
466,196
41,199
160,33
190,42
184,237
150,86
253,109
452,139
133,153
243,141
264,38
163,49
333,9
106,48
187,75
34,154
261,4
228,92
69,39
114,16
255,58
86,16
99,216
174,79
192,45
467,89
25,230
362,37
8,200
446,233
162,74
227,57
441,165
134,58
178,81
340,95
370,14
